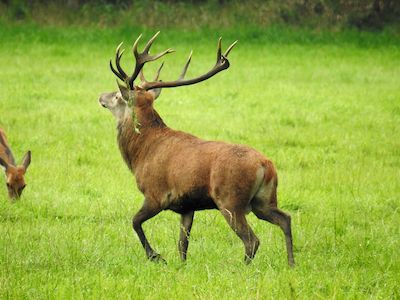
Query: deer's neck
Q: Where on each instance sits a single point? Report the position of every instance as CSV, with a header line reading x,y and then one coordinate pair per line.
x,y
134,145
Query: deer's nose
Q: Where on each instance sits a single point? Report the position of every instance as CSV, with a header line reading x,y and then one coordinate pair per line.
x,y
101,101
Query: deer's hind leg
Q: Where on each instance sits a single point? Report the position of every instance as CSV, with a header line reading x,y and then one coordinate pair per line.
x,y
236,219
274,215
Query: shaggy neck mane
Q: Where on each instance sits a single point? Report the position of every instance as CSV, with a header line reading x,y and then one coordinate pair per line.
x,y
132,144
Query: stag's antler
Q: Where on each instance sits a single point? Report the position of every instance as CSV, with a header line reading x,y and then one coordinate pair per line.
x,y
221,64
141,59
144,57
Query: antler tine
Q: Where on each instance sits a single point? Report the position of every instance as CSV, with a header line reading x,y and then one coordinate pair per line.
x,y
219,49
141,76
158,72
150,42
135,44
118,47
157,56
117,63
182,76
230,48
120,73
115,71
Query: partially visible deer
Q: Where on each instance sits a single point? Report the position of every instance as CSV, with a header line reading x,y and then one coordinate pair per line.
x,y
14,174
180,172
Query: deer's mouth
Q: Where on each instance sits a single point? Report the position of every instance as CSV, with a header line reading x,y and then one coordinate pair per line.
x,y
102,104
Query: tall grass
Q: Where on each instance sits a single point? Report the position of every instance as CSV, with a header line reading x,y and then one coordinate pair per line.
x,y
323,106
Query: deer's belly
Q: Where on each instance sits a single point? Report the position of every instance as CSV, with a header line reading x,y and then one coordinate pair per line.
x,y
195,200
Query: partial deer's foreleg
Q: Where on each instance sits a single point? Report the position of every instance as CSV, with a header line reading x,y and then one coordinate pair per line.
x,y
186,225
237,221
283,220
145,213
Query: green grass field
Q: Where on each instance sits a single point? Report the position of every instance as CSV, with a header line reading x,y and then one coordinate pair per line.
x,y
325,107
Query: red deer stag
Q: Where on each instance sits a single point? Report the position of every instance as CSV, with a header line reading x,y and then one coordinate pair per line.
x,y
180,172
14,174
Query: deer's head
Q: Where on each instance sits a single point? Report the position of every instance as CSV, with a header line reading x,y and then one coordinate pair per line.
x,y
15,176
135,99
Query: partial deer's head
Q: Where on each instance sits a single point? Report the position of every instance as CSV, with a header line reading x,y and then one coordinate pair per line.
x,y
131,96
15,175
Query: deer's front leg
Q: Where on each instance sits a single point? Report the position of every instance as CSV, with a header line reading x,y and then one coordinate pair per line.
x,y
145,213
186,225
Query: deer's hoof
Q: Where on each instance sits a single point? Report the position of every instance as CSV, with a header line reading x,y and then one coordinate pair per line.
x,y
247,260
157,258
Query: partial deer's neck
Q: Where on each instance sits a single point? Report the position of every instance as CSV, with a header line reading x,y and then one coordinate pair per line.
x,y
133,145
148,117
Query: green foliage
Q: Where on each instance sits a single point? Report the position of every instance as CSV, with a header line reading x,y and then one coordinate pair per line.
x,y
333,14
323,106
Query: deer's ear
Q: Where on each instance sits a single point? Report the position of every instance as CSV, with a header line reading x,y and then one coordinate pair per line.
x,y
3,163
26,161
124,91
155,93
